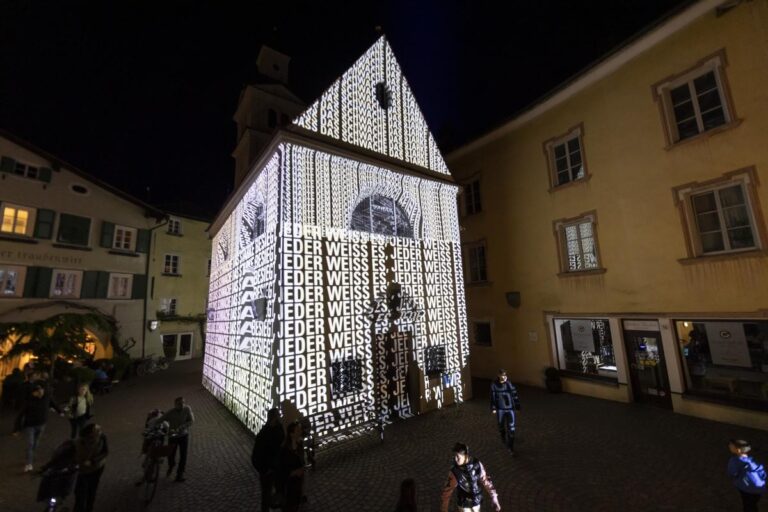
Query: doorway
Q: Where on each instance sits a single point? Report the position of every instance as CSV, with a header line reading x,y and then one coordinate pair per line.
x,y
647,367
177,346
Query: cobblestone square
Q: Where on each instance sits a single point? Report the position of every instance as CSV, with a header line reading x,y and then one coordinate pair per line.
x,y
574,453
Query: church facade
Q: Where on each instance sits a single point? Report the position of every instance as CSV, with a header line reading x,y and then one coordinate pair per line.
x,y
336,288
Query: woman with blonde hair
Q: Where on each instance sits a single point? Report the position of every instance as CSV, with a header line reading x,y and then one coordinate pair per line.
x,y
79,408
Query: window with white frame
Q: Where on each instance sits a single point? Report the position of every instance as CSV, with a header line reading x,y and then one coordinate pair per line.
x,y
18,220
169,305
696,101
476,267
721,216
171,264
566,158
472,202
12,281
578,244
66,284
26,170
120,286
174,226
124,239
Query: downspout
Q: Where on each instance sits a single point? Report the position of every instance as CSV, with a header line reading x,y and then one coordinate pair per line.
x,y
150,249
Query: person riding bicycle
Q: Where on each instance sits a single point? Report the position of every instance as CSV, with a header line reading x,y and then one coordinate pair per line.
x,y
504,403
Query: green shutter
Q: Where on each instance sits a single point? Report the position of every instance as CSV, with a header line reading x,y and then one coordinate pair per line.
x,y
44,224
88,290
139,286
142,241
7,164
102,285
43,284
74,229
44,174
107,234
30,281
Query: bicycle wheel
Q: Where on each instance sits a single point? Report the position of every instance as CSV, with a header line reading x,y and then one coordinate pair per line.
x,y
151,477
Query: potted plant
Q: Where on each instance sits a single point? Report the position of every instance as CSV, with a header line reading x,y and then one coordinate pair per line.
x,y
552,380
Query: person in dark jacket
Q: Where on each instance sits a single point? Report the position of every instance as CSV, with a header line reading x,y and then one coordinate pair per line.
x,y
407,500
32,419
504,402
179,419
747,475
79,409
266,454
290,474
12,385
468,476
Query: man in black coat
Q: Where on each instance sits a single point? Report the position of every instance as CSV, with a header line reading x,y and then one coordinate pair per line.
x,y
266,454
32,419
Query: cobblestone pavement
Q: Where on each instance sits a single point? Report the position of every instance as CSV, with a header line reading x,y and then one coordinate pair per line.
x,y
574,453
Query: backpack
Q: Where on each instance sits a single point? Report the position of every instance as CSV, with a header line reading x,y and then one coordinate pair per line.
x,y
753,476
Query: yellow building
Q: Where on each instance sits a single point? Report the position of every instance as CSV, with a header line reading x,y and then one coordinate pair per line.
x,y
178,288
615,231
70,243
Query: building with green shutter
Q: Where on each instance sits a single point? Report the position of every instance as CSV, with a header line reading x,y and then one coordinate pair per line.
x,y
68,240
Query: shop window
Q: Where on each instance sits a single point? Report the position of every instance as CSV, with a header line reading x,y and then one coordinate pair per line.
x,y
721,216
565,158
17,220
434,360
577,244
66,284
381,215
482,333
585,346
346,377
124,238
171,264
472,202
120,286
695,101
725,359
12,281
74,229
174,226
476,267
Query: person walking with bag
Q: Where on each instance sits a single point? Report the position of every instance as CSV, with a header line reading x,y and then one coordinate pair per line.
x,y
80,409
748,476
266,455
504,402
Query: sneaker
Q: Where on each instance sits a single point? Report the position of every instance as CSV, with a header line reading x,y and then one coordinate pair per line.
x,y
28,468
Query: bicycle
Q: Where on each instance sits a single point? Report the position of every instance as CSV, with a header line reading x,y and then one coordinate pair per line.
x,y
55,486
156,450
150,365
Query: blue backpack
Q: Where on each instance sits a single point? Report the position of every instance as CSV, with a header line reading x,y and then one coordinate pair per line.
x,y
753,475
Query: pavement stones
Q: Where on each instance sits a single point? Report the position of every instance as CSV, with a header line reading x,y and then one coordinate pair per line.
x,y
574,453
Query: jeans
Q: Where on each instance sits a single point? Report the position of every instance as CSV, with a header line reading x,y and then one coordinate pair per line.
x,y
182,445
77,424
85,490
33,437
749,501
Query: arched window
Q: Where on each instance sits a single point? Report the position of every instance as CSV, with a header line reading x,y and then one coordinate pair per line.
x,y
381,215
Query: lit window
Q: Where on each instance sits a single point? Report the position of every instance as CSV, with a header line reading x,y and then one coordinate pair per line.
x,y
125,238
578,246
17,220
168,306
11,281
171,265
382,215
66,284
174,226
120,286
472,202
721,217
585,346
566,158
695,102
476,267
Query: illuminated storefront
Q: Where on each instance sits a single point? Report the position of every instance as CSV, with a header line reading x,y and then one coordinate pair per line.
x,y
336,288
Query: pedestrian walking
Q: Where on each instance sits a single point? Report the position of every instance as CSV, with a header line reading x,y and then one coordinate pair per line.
x,y
747,475
265,456
407,500
290,478
504,402
32,420
467,475
180,418
80,409
12,389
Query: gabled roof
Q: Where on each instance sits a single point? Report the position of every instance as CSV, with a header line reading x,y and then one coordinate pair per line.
x,y
371,106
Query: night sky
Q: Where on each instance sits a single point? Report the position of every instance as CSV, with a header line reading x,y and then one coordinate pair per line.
x,y
142,94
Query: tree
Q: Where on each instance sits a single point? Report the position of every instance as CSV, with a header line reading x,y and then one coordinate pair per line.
x,y
61,335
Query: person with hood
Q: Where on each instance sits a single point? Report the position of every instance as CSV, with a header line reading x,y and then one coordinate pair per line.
x,y
468,477
32,420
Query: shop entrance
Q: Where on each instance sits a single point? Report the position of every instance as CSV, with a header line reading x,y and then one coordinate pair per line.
x,y
647,369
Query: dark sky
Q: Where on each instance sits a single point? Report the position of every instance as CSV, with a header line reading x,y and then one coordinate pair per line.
x,y
142,94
